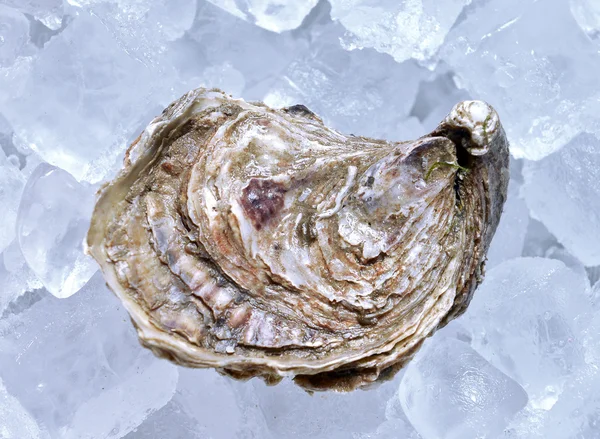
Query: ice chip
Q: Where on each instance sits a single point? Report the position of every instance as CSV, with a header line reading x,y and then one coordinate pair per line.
x,y
78,113
144,28
15,421
16,278
273,15
14,35
114,413
53,220
404,29
591,341
527,424
48,12
171,421
562,192
12,182
450,391
204,396
361,92
76,365
525,318
577,412
559,253
290,412
531,62
587,15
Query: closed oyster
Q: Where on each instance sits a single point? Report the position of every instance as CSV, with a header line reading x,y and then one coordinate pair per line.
x,y
262,243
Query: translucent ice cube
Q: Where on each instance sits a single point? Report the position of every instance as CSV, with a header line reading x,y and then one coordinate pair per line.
x,y
14,35
273,15
403,29
49,12
577,412
171,421
117,411
76,363
12,182
53,221
450,391
16,422
290,412
206,397
533,64
16,278
562,191
78,113
587,15
143,28
360,92
526,318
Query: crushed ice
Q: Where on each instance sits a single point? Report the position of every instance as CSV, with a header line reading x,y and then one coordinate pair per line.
x,y
79,79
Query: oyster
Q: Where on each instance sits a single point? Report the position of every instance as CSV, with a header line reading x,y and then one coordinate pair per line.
x,y
262,243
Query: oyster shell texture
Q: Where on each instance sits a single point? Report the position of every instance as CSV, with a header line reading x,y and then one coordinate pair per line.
x,y
259,242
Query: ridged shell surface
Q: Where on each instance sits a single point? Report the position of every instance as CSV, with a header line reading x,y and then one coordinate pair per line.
x,y
259,242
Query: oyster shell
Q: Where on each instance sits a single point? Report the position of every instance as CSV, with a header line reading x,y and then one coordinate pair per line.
x,y
262,243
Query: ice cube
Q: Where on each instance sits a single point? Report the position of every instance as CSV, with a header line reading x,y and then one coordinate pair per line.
x,y
16,422
117,411
403,29
525,318
534,65
49,12
76,363
143,28
562,191
78,113
396,424
587,15
391,429
451,391
53,220
16,278
273,15
290,412
253,423
12,182
258,55
577,412
527,424
362,92
208,398
171,422
559,253
14,35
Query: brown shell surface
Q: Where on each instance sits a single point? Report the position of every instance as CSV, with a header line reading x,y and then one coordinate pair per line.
x,y
259,242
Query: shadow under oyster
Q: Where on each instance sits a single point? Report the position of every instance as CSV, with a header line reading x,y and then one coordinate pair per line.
x,y
262,243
